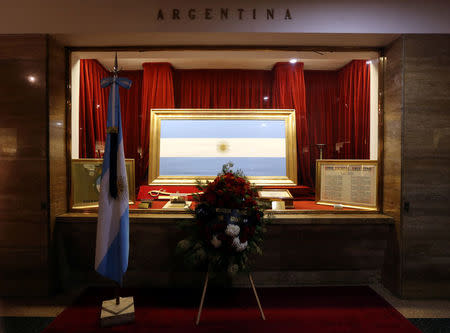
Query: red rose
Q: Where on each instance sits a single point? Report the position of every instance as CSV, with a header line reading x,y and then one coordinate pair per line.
x,y
211,197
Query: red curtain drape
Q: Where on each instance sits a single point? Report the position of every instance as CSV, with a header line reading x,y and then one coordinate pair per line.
x,y
130,102
331,107
226,89
157,92
288,92
93,108
353,123
321,89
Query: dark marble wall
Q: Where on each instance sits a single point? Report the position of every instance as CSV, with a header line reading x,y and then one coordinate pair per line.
x,y
416,165
32,159
426,166
392,64
58,186
57,131
309,249
23,165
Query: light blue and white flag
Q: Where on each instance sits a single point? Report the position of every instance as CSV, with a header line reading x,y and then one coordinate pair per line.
x,y
112,247
201,147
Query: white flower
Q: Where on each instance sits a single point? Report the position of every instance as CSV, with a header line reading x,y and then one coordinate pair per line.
x,y
238,245
184,244
216,242
232,230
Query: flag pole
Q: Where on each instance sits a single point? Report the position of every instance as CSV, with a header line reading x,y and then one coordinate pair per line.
x,y
111,258
117,292
116,75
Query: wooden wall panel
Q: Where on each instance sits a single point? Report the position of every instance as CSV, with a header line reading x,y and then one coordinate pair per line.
x,y
392,158
23,164
426,178
57,130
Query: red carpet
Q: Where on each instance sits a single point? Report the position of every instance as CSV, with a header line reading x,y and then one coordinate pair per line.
x,y
307,309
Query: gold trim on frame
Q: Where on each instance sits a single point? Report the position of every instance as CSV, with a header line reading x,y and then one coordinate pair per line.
x,y
319,201
288,115
81,206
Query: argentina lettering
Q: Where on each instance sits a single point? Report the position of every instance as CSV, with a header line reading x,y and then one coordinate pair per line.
x,y
223,14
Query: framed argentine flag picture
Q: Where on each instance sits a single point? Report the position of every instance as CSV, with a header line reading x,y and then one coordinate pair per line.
x,y
191,144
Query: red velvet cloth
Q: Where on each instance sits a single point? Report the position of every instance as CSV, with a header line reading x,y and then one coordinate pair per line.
x,y
144,189
130,102
228,89
289,93
350,309
93,108
296,191
353,123
321,89
157,93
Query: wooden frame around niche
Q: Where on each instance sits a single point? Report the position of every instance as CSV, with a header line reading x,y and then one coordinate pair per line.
x,y
288,115
262,48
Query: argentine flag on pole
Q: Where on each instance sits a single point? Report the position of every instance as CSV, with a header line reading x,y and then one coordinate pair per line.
x,y
111,253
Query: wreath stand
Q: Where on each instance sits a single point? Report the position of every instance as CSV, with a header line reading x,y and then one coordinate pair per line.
x,y
204,293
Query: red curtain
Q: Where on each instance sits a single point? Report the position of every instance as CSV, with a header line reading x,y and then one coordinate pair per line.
x,y
226,89
353,122
288,92
157,92
331,107
321,88
93,108
130,102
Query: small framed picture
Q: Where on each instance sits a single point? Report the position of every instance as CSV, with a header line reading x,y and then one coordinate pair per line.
x,y
275,194
86,177
347,183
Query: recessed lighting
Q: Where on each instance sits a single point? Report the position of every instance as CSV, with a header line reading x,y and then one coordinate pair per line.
x,y
293,60
266,98
31,78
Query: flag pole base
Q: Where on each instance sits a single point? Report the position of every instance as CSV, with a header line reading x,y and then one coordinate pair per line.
x,y
117,314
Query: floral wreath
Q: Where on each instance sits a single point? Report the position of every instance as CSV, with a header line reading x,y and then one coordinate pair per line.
x,y
229,224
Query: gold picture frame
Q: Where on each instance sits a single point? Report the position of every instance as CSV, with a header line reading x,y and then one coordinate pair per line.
x,y
275,194
286,115
86,172
348,183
